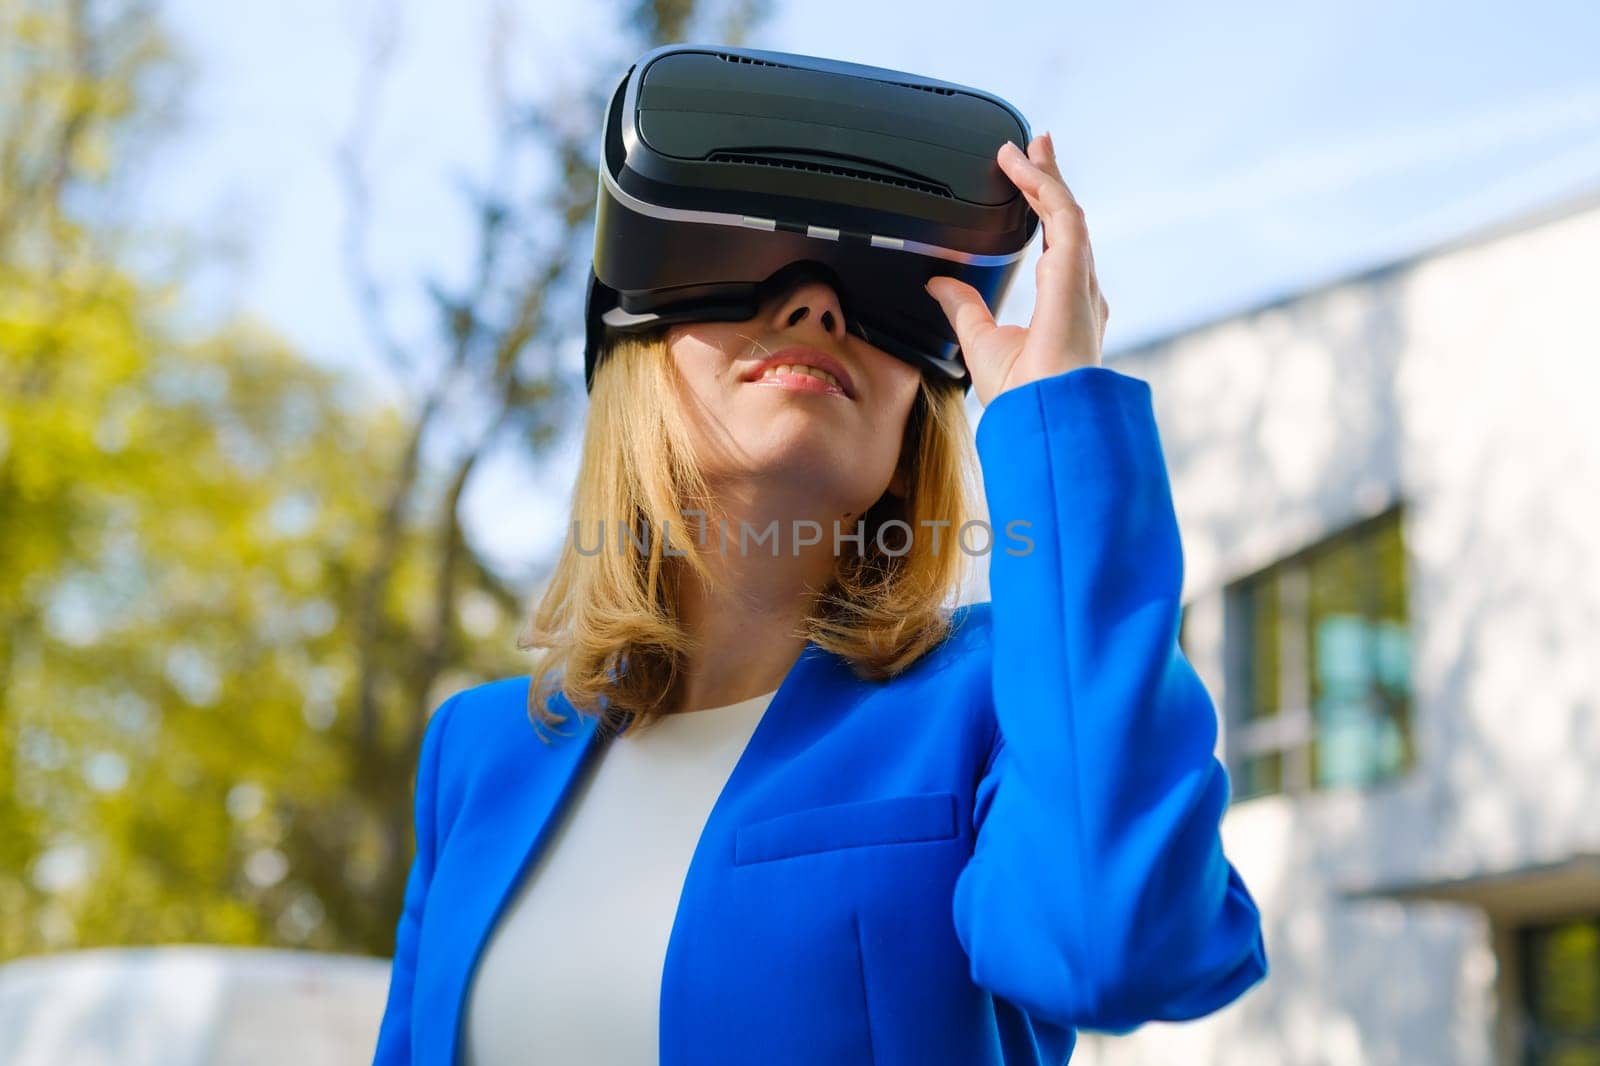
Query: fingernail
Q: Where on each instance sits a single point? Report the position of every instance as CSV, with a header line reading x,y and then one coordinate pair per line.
x,y
1048,143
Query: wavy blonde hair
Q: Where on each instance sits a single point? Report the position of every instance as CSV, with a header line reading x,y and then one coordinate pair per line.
x,y
608,621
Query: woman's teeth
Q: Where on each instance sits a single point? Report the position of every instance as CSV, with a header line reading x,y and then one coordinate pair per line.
x,y
810,370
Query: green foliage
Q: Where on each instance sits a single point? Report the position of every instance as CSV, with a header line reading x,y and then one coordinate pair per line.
x,y
181,523
231,589
185,525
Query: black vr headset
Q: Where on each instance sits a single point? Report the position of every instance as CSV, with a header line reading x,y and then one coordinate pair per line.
x,y
727,174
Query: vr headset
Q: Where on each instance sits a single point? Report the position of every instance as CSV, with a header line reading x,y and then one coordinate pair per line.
x,y
727,174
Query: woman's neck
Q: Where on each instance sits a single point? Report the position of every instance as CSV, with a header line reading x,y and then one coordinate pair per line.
x,y
747,626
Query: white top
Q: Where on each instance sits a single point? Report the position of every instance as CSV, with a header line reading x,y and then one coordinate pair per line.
x,y
572,970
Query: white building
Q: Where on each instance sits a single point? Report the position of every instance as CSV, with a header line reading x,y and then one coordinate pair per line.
x,y
190,1005
1389,493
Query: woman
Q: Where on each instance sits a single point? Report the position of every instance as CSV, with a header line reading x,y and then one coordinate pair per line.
x,y
799,811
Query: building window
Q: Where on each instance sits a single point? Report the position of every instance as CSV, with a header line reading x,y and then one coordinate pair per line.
x,y
1560,966
1319,665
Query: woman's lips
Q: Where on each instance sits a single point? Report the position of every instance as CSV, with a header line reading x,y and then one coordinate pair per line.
x,y
797,380
804,357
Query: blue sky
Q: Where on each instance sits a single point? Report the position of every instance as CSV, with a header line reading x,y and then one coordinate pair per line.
x,y
1224,153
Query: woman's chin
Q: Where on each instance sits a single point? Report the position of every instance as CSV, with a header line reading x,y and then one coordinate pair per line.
x,y
812,461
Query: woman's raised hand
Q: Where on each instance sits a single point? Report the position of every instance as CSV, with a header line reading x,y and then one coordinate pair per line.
x,y
1069,314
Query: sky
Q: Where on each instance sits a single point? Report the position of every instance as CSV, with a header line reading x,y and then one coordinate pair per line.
x,y
1225,154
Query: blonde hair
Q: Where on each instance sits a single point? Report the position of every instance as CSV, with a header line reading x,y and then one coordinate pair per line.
x,y
609,620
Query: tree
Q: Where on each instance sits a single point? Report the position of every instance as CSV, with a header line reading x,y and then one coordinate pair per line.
x,y
495,343
231,590
177,533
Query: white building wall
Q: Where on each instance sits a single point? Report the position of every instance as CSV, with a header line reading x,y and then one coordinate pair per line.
x,y
191,1005
1466,383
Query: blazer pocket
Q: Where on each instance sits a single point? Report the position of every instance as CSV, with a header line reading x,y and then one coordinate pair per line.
x,y
894,820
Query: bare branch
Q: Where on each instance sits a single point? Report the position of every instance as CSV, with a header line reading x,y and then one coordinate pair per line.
x,y
371,300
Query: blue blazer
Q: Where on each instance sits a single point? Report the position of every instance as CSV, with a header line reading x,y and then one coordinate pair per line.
x,y
1015,838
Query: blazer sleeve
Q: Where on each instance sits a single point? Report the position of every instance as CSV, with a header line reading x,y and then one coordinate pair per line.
x,y
1097,894
394,1033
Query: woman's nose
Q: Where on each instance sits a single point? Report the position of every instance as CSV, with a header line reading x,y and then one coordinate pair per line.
x,y
815,301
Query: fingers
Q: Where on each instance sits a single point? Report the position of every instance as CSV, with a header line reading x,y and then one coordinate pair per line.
x,y
1066,234
1063,275
1042,154
963,305
1040,180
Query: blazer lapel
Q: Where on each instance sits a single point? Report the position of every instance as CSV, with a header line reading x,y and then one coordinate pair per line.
x,y
524,793
492,851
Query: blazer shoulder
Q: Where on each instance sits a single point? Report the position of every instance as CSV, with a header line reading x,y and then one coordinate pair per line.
x,y
493,744
491,698
973,619
971,630
958,661
948,692
493,718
